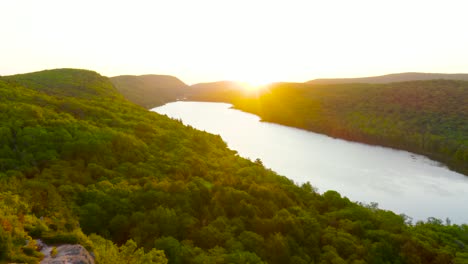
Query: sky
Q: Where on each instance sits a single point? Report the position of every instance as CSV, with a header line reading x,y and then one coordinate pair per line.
x,y
252,41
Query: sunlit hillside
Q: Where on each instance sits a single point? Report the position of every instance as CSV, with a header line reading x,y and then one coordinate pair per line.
x,y
80,164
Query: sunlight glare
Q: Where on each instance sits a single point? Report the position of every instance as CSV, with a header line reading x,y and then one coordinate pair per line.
x,y
253,85
254,78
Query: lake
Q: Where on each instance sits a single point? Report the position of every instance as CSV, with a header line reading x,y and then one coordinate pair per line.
x,y
397,180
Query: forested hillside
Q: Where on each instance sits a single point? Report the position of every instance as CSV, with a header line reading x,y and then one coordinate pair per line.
x,y
80,164
425,117
150,90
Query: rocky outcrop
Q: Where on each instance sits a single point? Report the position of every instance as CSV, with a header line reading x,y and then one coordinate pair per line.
x,y
67,254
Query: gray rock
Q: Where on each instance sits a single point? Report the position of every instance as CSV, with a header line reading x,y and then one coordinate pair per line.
x,y
68,254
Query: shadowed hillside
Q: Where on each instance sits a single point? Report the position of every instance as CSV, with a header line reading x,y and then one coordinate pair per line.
x,y
150,90
133,186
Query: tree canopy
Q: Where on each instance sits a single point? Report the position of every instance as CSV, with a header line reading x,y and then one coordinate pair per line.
x,y
80,164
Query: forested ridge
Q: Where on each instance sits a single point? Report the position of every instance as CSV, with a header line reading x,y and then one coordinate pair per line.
x,y
149,90
395,77
80,164
425,117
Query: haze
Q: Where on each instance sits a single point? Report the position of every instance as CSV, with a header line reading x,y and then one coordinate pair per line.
x,y
252,41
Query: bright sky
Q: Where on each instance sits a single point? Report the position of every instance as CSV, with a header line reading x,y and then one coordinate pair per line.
x,y
247,40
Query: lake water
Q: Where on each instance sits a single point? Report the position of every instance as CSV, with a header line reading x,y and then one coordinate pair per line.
x,y
397,180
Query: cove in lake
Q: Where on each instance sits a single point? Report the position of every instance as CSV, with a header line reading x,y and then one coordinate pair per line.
x,y
397,180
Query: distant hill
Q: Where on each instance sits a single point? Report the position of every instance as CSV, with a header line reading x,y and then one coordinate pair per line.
x,y
395,77
149,90
214,91
67,82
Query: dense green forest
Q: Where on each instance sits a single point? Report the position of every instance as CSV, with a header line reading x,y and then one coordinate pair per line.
x,y
80,164
425,117
150,90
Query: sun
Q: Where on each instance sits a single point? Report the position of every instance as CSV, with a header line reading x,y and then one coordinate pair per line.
x,y
253,80
255,84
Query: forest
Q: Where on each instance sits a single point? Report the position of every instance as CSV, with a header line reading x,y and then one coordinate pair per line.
x,y
81,164
427,117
